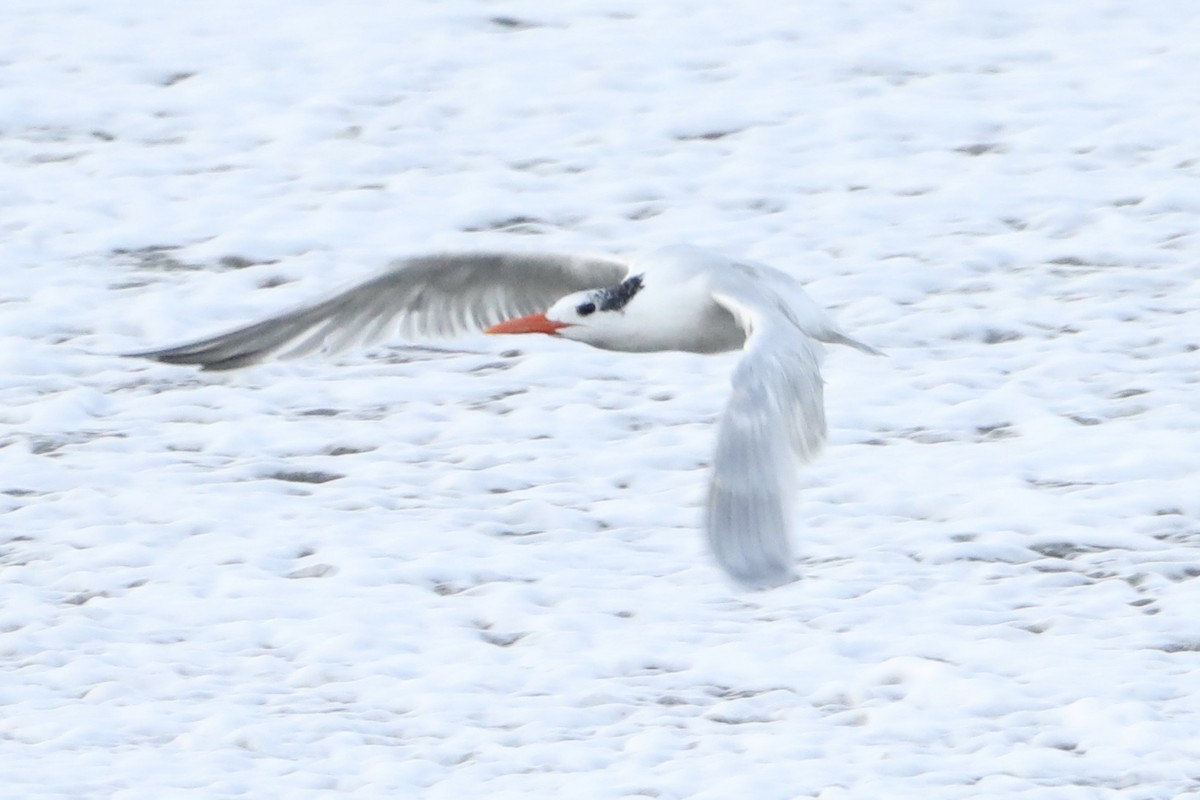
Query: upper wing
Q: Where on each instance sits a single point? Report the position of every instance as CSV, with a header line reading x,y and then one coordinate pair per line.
x,y
433,295
774,422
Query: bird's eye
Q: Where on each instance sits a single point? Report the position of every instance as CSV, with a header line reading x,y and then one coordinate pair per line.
x,y
583,309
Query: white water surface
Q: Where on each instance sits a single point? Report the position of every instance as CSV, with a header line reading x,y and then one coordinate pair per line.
x,y
474,568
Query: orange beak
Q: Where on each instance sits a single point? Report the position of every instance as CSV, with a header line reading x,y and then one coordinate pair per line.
x,y
534,323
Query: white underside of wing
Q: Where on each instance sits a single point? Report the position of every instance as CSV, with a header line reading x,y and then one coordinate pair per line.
x,y
774,422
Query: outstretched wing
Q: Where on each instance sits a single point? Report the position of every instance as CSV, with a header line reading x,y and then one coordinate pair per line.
x,y
774,422
436,295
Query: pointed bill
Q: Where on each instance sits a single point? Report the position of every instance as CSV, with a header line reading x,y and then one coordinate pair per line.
x,y
534,323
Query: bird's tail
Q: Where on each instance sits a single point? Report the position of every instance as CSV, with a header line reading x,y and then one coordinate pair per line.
x,y
836,337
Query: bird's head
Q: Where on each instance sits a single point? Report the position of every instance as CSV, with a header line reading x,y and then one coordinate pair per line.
x,y
596,316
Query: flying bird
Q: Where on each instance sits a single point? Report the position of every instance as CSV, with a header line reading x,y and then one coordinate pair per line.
x,y
680,297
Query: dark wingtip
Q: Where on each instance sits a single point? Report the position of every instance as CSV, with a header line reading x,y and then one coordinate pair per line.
x,y
185,359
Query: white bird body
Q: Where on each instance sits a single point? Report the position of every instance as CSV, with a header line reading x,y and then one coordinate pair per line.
x,y
674,298
673,309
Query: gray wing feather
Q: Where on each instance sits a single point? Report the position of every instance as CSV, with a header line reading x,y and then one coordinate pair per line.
x,y
437,295
774,422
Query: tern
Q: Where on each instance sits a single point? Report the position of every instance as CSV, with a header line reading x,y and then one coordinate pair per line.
x,y
680,297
